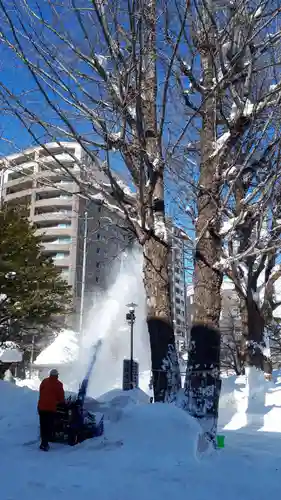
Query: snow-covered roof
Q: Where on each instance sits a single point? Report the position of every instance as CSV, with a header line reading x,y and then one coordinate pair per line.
x,y
10,353
62,351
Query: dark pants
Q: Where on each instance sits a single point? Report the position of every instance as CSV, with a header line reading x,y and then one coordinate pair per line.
x,y
47,419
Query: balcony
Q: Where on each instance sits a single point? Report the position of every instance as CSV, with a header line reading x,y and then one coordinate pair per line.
x,y
17,183
59,257
25,195
61,262
53,177
60,186
54,247
18,186
47,232
59,155
53,216
55,201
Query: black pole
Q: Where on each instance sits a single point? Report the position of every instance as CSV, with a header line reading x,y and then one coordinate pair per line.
x,y
132,350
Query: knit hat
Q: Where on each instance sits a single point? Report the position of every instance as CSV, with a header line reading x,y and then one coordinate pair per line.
x,y
54,373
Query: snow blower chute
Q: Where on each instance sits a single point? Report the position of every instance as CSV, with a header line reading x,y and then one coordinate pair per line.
x,y
74,424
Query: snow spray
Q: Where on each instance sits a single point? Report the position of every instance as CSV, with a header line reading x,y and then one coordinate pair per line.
x,y
106,320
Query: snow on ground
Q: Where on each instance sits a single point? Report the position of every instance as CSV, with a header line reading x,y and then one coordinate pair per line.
x,y
148,451
32,383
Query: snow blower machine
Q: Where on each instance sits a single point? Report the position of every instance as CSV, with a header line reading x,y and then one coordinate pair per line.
x,y
73,423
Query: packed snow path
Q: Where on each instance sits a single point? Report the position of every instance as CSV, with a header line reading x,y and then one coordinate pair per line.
x,y
147,453
247,468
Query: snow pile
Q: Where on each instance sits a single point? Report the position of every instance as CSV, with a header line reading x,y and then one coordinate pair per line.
x,y
18,417
162,427
32,383
251,402
120,398
149,452
144,382
63,350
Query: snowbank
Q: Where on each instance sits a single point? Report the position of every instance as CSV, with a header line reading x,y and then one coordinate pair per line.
x,y
162,427
120,398
32,383
148,453
251,402
18,415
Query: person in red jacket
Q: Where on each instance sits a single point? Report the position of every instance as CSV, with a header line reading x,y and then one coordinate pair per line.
x,y
51,393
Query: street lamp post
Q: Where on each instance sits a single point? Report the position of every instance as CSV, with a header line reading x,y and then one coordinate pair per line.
x,y
131,317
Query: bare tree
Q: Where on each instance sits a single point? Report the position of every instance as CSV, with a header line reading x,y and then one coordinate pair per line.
x,y
252,238
232,99
239,94
104,78
112,76
231,353
273,333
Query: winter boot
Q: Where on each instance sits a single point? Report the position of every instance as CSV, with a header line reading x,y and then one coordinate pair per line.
x,y
44,447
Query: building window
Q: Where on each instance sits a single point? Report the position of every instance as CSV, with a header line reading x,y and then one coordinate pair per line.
x,y
61,255
64,239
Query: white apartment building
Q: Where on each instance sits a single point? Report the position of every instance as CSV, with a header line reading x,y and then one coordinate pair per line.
x,y
35,178
178,286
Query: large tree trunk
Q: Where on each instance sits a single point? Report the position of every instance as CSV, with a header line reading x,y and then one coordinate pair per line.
x,y
253,325
254,345
252,342
207,279
202,381
165,368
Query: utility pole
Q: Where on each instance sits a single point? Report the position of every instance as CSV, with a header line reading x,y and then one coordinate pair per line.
x,y
184,289
2,185
82,298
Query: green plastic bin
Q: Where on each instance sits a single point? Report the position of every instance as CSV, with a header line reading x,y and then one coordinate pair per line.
x,y
220,440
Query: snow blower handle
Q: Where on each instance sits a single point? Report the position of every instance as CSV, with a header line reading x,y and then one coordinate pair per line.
x,y
84,386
